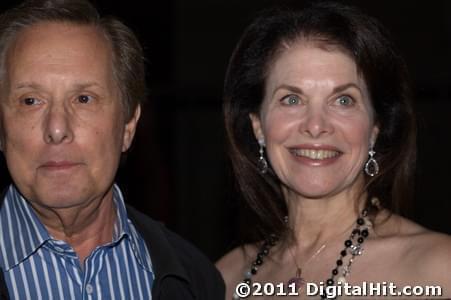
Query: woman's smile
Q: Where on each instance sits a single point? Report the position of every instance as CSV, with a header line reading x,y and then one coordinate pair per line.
x,y
317,121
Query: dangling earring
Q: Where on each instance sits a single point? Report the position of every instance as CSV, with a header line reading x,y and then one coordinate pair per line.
x,y
262,163
371,166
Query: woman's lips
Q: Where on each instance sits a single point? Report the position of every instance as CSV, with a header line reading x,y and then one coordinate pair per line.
x,y
315,155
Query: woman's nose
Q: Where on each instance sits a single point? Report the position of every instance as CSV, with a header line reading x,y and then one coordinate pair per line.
x,y
316,123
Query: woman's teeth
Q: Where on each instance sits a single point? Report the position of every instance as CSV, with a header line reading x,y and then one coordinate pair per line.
x,y
315,154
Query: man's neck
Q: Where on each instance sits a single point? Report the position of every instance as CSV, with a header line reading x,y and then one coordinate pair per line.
x,y
83,228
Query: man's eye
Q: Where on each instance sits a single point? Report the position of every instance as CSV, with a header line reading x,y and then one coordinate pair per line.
x,y
30,101
291,100
345,101
84,99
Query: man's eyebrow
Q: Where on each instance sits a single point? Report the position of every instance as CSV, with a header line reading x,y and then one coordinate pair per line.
x,y
84,85
25,85
37,86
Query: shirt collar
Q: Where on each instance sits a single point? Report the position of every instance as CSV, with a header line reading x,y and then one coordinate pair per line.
x,y
124,228
22,233
121,228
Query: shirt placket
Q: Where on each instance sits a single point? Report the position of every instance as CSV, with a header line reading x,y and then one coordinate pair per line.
x,y
92,267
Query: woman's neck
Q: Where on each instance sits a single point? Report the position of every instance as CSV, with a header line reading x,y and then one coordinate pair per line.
x,y
317,221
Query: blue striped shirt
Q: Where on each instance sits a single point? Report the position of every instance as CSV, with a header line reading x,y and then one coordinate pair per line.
x,y
37,266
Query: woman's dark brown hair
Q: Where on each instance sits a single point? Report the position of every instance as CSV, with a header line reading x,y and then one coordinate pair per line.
x,y
383,69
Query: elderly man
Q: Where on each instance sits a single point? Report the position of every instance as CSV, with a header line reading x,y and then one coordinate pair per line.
x,y
70,90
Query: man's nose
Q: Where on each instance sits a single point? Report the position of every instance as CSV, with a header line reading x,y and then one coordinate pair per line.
x,y
58,125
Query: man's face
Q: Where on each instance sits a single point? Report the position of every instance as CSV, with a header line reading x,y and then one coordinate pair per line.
x,y
62,121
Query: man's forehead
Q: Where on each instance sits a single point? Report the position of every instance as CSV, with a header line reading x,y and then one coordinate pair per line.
x,y
56,47
59,40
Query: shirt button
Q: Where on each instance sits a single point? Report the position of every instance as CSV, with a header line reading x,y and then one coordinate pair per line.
x,y
89,288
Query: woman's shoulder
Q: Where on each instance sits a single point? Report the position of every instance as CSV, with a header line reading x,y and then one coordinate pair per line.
x,y
432,250
233,263
413,236
413,233
424,253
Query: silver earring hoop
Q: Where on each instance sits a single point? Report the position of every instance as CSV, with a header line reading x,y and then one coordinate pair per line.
x,y
371,166
262,164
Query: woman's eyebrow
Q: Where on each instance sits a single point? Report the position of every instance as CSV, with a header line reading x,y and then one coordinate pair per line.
x,y
336,89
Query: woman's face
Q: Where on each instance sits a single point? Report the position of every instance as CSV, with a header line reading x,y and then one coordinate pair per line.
x,y
316,120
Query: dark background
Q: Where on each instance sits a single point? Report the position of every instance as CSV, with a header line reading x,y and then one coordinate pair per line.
x,y
177,170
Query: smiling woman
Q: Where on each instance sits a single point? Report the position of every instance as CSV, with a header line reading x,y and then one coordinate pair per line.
x,y
317,121
322,141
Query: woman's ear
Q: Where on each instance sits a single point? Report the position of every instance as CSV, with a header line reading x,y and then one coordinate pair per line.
x,y
374,134
257,127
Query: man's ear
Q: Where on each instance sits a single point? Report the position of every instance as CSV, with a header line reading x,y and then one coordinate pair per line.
x,y
2,135
257,127
130,129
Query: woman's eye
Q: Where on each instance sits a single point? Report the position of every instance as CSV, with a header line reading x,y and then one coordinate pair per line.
x,y
291,100
84,99
30,101
345,101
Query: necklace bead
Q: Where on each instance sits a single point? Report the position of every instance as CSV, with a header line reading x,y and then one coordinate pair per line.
x,y
354,250
341,280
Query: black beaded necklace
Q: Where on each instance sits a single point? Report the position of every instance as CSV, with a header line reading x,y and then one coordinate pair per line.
x,y
352,246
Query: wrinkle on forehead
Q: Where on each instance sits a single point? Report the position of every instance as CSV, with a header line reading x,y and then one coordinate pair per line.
x,y
38,34
31,48
310,40
310,84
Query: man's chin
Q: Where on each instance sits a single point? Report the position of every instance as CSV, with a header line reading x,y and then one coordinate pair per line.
x,y
61,198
